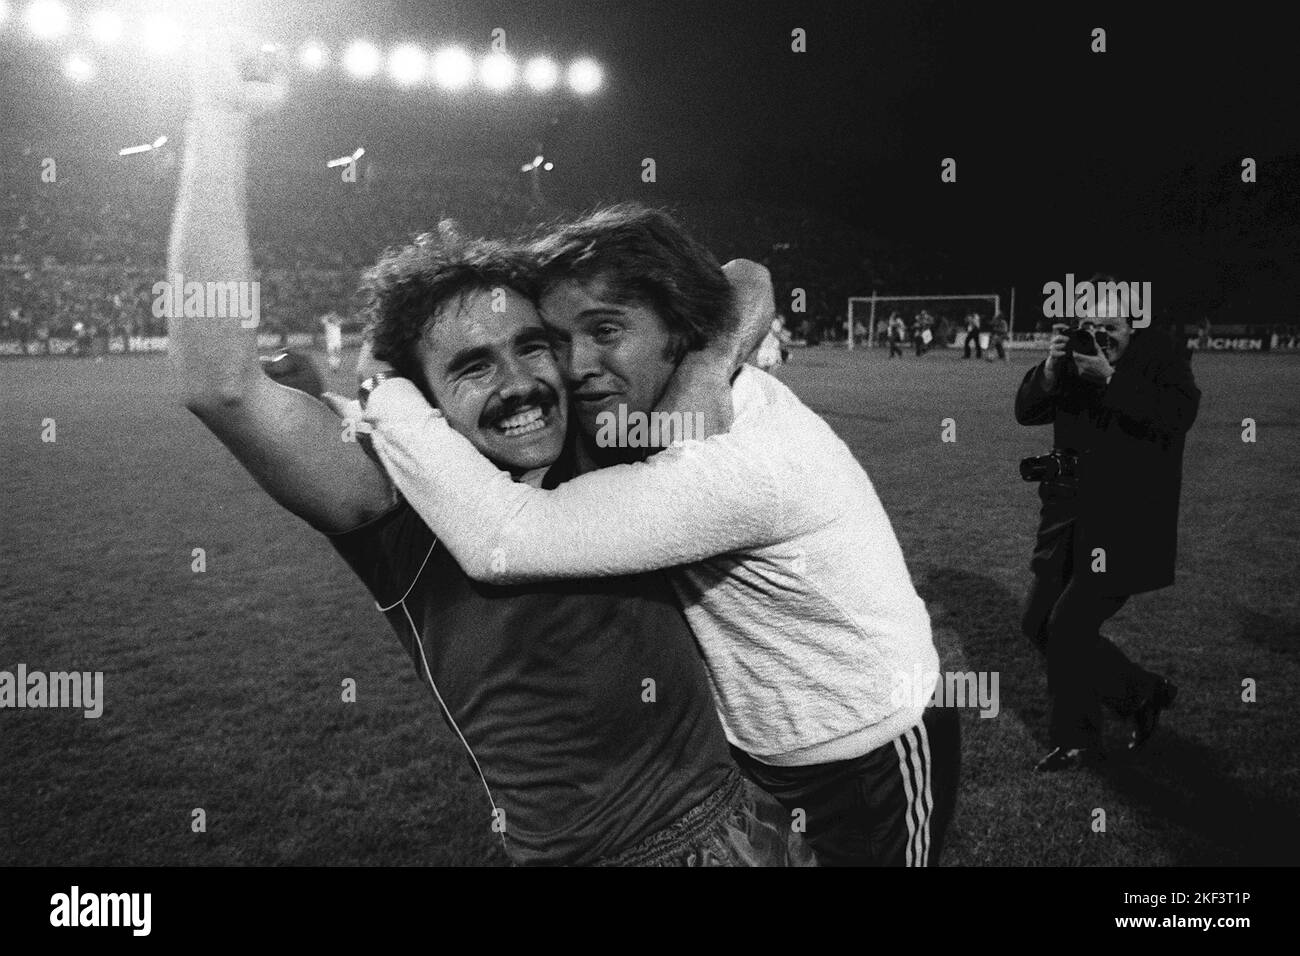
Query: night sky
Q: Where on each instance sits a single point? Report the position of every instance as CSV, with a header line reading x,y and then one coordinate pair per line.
x,y
1065,157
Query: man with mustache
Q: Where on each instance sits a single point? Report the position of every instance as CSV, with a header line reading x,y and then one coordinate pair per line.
x,y
818,647
582,705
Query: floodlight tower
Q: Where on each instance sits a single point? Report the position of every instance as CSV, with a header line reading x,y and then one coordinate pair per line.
x,y
535,167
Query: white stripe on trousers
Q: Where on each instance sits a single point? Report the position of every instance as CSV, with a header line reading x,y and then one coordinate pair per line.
x,y
913,748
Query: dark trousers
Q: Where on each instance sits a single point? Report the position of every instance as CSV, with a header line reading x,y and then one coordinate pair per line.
x,y
1063,616
889,807
895,347
973,336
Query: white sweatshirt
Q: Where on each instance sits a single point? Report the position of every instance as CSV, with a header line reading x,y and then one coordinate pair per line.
x,y
817,646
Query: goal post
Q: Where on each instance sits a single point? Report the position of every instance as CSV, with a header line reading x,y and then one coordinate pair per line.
x,y
869,309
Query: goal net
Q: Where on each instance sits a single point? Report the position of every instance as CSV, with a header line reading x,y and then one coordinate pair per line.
x,y
869,315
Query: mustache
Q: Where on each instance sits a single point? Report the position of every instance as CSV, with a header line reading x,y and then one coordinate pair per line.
x,y
540,395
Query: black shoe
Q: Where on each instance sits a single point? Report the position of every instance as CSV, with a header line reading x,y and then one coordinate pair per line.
x,y
1147,718
1066,758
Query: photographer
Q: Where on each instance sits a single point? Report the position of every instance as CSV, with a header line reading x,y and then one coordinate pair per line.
x,y
1120,403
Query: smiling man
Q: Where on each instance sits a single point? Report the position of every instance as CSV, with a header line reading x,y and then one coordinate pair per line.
x,y
779,548
629,295
582,706
454,356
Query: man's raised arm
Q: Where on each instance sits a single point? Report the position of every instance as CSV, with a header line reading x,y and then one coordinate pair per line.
x,y
289,441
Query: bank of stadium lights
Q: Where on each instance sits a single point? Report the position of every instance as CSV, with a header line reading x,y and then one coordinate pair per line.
x,y
407,64
542,73
453,68
497,71
362,59
47,19
312,56
585,76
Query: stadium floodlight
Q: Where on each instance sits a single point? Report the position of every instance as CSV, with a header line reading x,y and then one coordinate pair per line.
x,y
4,11
78,69
542,73
345,160
585,76
160,34
498,71
453,68
362,59
105,26
47,19
159,143
408,64
312,56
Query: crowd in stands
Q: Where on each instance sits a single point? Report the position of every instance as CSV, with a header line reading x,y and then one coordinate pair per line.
x,y
80,251
79,256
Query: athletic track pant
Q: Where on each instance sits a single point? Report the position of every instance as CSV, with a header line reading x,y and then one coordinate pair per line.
x,y
889,807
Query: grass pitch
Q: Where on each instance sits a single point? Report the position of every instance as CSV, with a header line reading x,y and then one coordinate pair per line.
x,y
223,688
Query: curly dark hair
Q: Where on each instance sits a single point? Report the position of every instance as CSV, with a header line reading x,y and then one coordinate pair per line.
x,y
645,256
403,292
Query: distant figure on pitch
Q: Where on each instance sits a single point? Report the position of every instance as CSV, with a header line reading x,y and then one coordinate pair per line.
x,y
897,332
333,325
973,335
772,351
997,338
923,332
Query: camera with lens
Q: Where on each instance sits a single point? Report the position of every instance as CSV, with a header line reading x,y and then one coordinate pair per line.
x,y
1086,339
1059,466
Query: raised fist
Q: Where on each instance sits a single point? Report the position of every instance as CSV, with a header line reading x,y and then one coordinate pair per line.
x,y
229,70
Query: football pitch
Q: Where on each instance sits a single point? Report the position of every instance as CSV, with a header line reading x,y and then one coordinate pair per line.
x,y
223,687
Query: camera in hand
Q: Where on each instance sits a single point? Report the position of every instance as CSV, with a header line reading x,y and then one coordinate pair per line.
x,y
1086,339
1059,465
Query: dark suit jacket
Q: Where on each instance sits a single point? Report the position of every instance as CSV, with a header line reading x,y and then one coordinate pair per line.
x,y
1130,434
